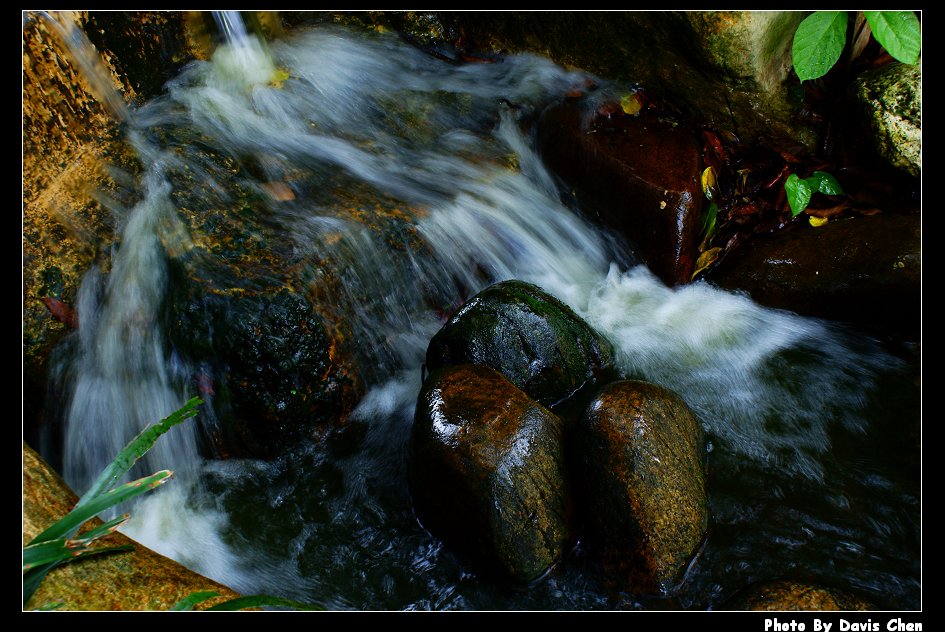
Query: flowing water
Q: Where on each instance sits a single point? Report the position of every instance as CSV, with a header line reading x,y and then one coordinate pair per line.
x,y
813,471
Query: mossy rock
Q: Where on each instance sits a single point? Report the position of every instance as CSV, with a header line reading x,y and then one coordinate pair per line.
x,y
529,336
792,595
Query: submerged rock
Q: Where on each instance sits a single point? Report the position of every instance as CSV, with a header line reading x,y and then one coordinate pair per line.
x,y
640,453
487,472
529,336
791,595
890,105
139,579
865,270
266,362
638,174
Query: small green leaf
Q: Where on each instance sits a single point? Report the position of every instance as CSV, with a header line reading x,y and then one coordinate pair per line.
x,y
898,32
191,600
259,601
798,194
51,605
818,43
823,182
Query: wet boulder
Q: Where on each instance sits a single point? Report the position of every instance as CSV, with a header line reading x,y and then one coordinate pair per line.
x,y
637,173
529,336
889,101
865,270
640,454
792,595
486,472
266,362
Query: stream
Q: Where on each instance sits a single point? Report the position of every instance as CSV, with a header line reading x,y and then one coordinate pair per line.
x,y
813,427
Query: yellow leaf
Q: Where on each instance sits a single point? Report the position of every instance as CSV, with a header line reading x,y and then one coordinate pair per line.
x,y
630,104
278,78
817,221
708,184
706,259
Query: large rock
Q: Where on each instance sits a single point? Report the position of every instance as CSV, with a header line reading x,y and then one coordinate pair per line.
x,y
640,454
865,270
139,579
529,336
791,596
890,105
487,472
638,174
728,68
266,362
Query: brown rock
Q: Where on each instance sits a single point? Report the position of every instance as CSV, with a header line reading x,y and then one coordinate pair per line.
x,y
640,453
865,270
791,595
487,472
723,67
639,174
133,580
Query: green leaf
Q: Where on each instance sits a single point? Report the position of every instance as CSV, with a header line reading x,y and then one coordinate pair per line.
x,y
51,605
34,576
137,448
47,552
818,43
823,182
709,215
259,601
898,32
798,194
191,600
74,519
32,579
102,530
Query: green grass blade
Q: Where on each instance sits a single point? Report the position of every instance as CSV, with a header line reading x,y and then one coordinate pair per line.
x,y
33,577
66,526
48,552
137,448
259,601
898,32
191,600
818,43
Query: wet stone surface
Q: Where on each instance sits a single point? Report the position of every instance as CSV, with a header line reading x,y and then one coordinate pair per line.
x,y
530,337
865,270
487,472
638,174
639,450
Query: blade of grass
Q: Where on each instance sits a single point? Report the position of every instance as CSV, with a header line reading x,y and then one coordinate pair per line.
x,y
258,601
191,600
71,521
34,576
137,448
